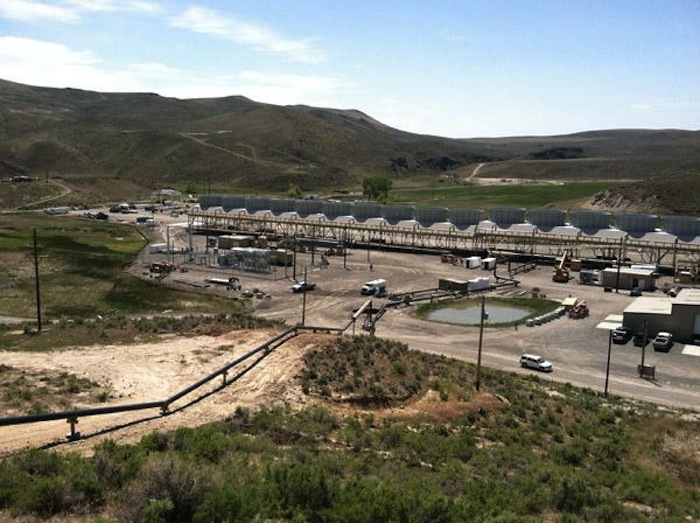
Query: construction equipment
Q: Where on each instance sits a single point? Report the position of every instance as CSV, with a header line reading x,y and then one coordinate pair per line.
x,y
579,310
161,269
561,273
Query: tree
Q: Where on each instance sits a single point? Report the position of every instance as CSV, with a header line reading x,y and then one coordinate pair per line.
x,y
376,187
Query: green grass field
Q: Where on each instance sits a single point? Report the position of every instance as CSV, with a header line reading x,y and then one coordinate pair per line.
x,y
81,271
530,196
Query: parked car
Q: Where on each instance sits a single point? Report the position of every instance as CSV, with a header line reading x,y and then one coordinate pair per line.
x,y
622,335
663,341
533,361
674,290
635,291
303,286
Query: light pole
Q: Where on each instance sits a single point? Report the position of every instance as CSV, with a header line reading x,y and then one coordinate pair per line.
x,y
484,315
607,368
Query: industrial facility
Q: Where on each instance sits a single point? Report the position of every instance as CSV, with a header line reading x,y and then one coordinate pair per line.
x,y
679,315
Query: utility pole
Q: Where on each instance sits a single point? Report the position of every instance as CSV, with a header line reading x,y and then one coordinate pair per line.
x,y
481,338
36,280
607,368
303,303
644,347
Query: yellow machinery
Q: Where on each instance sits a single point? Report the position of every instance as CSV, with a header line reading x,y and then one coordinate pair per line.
x,y
561,273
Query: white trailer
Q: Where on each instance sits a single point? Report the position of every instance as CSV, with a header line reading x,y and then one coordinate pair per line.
x,y
473,262
488,264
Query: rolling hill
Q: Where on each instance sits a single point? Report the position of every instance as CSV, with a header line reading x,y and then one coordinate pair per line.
x,y
236,144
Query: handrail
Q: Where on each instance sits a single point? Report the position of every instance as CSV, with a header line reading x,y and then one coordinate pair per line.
x,y
68,414
223,370
72,415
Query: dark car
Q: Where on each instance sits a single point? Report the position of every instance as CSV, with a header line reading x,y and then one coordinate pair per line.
x,y
663,341
303,286
622,335
635,291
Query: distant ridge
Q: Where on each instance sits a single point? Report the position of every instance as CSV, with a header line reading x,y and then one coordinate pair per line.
x,y
239,144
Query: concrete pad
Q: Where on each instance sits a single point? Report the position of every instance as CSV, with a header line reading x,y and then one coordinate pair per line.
x,y
691,350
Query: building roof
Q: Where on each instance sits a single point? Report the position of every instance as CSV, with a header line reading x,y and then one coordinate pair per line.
x,y
688,296
630,270
651,305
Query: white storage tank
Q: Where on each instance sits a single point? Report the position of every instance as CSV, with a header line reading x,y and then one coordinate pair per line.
x,y
398,213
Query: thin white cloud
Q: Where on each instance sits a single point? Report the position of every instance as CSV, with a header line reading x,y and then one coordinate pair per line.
x,y
42,63
206,21
71,11
36,62
28,11
134,6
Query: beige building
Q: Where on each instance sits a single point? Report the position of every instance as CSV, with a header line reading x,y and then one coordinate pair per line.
x,y
680,315
628,278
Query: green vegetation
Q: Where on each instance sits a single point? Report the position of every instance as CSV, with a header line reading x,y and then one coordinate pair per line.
x,y
26,392
120,329
81,272
376,187
530,196
535,306
520,450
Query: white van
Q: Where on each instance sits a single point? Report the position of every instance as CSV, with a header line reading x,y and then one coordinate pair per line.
x,y
374,288
532,361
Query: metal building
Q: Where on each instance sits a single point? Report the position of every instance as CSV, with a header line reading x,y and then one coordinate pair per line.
x,y
546,219
636,224
504,217
680,316
590,221
306,208
687,228
398,213
254,204
465,218
628,278
229,203
282,205
363,211
207,201
334,210
428,217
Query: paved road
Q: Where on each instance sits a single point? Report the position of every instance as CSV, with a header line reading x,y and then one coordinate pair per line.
x,y
578,348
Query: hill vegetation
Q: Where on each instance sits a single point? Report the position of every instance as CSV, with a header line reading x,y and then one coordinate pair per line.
x,y
141,142
419,445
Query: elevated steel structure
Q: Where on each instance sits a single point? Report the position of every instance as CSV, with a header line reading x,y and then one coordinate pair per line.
x,y
656,248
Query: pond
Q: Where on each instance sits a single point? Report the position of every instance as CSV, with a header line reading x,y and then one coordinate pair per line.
x,y
470,315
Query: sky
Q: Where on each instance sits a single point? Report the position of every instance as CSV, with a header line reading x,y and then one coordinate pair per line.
x,y
453,68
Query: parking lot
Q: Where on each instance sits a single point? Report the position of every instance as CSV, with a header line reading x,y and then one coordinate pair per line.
x,y
578,348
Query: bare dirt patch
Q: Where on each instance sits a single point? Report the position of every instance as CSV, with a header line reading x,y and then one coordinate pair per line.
x,y
153,372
